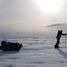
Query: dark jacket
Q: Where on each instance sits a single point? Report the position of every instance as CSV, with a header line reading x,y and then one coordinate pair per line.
x,y
59,34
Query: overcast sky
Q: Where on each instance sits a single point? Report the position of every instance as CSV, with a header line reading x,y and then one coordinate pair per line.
x,y
24,15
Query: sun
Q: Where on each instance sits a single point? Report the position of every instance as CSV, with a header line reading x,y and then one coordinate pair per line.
x,y
49,6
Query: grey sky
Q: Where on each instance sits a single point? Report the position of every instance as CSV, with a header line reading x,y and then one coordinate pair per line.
x,y
23,15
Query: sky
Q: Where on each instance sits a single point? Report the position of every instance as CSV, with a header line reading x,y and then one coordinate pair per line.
x,y
31,15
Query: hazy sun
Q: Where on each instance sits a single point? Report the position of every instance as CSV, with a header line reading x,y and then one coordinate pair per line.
x,y
49,6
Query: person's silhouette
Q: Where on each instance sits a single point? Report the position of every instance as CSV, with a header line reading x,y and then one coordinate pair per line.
x,y
58,38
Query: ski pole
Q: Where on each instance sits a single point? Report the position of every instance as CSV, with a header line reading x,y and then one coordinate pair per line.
x,y
65,41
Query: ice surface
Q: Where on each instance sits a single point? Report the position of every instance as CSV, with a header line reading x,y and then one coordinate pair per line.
x,y
37,52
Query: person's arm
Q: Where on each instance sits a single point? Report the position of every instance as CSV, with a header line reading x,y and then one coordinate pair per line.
x,y
64,33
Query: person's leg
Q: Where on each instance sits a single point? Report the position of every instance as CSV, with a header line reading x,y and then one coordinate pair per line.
x,y
57,43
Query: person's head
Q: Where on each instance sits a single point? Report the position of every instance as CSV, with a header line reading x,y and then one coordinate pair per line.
x,y
60,31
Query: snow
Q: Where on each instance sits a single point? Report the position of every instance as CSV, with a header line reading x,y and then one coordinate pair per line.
x,y
37,52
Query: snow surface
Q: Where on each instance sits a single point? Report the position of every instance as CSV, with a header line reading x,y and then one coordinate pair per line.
x,y
37,52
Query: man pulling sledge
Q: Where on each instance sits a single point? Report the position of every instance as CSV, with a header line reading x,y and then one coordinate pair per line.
x,y
58,38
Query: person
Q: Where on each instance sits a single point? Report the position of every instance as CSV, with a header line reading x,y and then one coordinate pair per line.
x,y
58,38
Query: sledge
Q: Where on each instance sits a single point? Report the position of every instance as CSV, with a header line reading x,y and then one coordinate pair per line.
x,y
10,46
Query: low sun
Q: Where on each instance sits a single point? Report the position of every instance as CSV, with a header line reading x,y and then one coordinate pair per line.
x,y
49,6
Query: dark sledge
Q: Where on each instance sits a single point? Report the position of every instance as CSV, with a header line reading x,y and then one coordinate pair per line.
x,y
10,46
